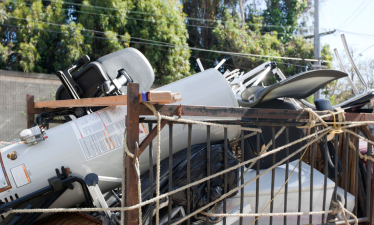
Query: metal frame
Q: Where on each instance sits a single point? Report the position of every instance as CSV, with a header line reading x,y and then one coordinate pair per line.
x,y
274,118
269,117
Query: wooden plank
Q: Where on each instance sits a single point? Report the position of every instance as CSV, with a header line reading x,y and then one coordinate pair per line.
x,y
30,110
132,126
163,97
84,102
156,98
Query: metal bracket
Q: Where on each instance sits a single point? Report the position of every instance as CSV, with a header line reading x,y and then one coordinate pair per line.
x,y
56,183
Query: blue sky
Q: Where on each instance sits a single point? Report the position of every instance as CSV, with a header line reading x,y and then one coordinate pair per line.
x,y
334,13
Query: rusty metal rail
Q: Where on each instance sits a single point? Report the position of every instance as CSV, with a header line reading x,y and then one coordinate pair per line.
x,y
269,118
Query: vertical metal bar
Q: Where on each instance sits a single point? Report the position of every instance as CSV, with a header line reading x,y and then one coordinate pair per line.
x,y
368,181
208,166
225,175
335,197
258,147
356,172
170,170
325,167
132,126
150,127
299,179
242,177
30,110
286,175
189,172
272,174
311,181
346,169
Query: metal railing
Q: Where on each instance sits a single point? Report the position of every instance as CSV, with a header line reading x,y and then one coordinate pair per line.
x,y
265,117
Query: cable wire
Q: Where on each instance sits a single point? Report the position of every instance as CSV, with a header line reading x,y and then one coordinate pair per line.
x,y
183,47
192,25
153,14
352,14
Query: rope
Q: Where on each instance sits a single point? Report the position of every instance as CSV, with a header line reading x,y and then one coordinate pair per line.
x,y
265,149
159,117
246,183
338,208
289,176
322,132
245,137
312,122
365,157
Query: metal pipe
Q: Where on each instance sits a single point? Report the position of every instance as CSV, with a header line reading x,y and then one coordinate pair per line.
x,y
326,174
346,169
353,64
286,175
357,158
272,174
251,73
208,167
150,127
225,175
258,147
220,64
189,172
299,179
242,176
311,181
200,65
368,180
170,170
262,76
343,69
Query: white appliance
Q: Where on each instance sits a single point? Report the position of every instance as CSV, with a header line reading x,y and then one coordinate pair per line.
x,y
94,143
292,197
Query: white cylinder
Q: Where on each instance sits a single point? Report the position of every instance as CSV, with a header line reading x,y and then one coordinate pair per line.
x,y
94,143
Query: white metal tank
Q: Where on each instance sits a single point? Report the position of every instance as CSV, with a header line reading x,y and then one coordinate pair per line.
x,y
94,143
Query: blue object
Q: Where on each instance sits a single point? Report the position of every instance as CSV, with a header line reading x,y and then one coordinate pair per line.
x,y
144,96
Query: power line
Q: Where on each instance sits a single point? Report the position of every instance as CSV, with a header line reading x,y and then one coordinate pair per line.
x,y
357,14
141,43
358,34
169,45
152,21
83,29
153,14
352,13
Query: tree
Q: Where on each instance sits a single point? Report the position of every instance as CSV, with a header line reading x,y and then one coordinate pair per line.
x,y
46,36
282,16
231,37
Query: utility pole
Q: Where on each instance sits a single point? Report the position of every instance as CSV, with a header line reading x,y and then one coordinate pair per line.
x,y
317,50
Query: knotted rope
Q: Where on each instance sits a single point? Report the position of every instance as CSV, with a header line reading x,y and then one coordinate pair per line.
x,y
316,136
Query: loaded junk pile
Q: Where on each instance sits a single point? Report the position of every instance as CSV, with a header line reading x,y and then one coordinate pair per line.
x,y
78,165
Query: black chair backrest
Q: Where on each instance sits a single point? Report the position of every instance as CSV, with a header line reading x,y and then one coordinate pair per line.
x,y
106,68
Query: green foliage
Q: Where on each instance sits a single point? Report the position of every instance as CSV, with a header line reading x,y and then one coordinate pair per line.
x,y
310,99
123,23
70,25
282,16
231,37
171,64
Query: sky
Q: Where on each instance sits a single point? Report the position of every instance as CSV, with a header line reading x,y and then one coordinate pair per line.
x,y
349,17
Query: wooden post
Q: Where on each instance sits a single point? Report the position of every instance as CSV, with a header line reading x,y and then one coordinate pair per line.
x,y
132,125
30,115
